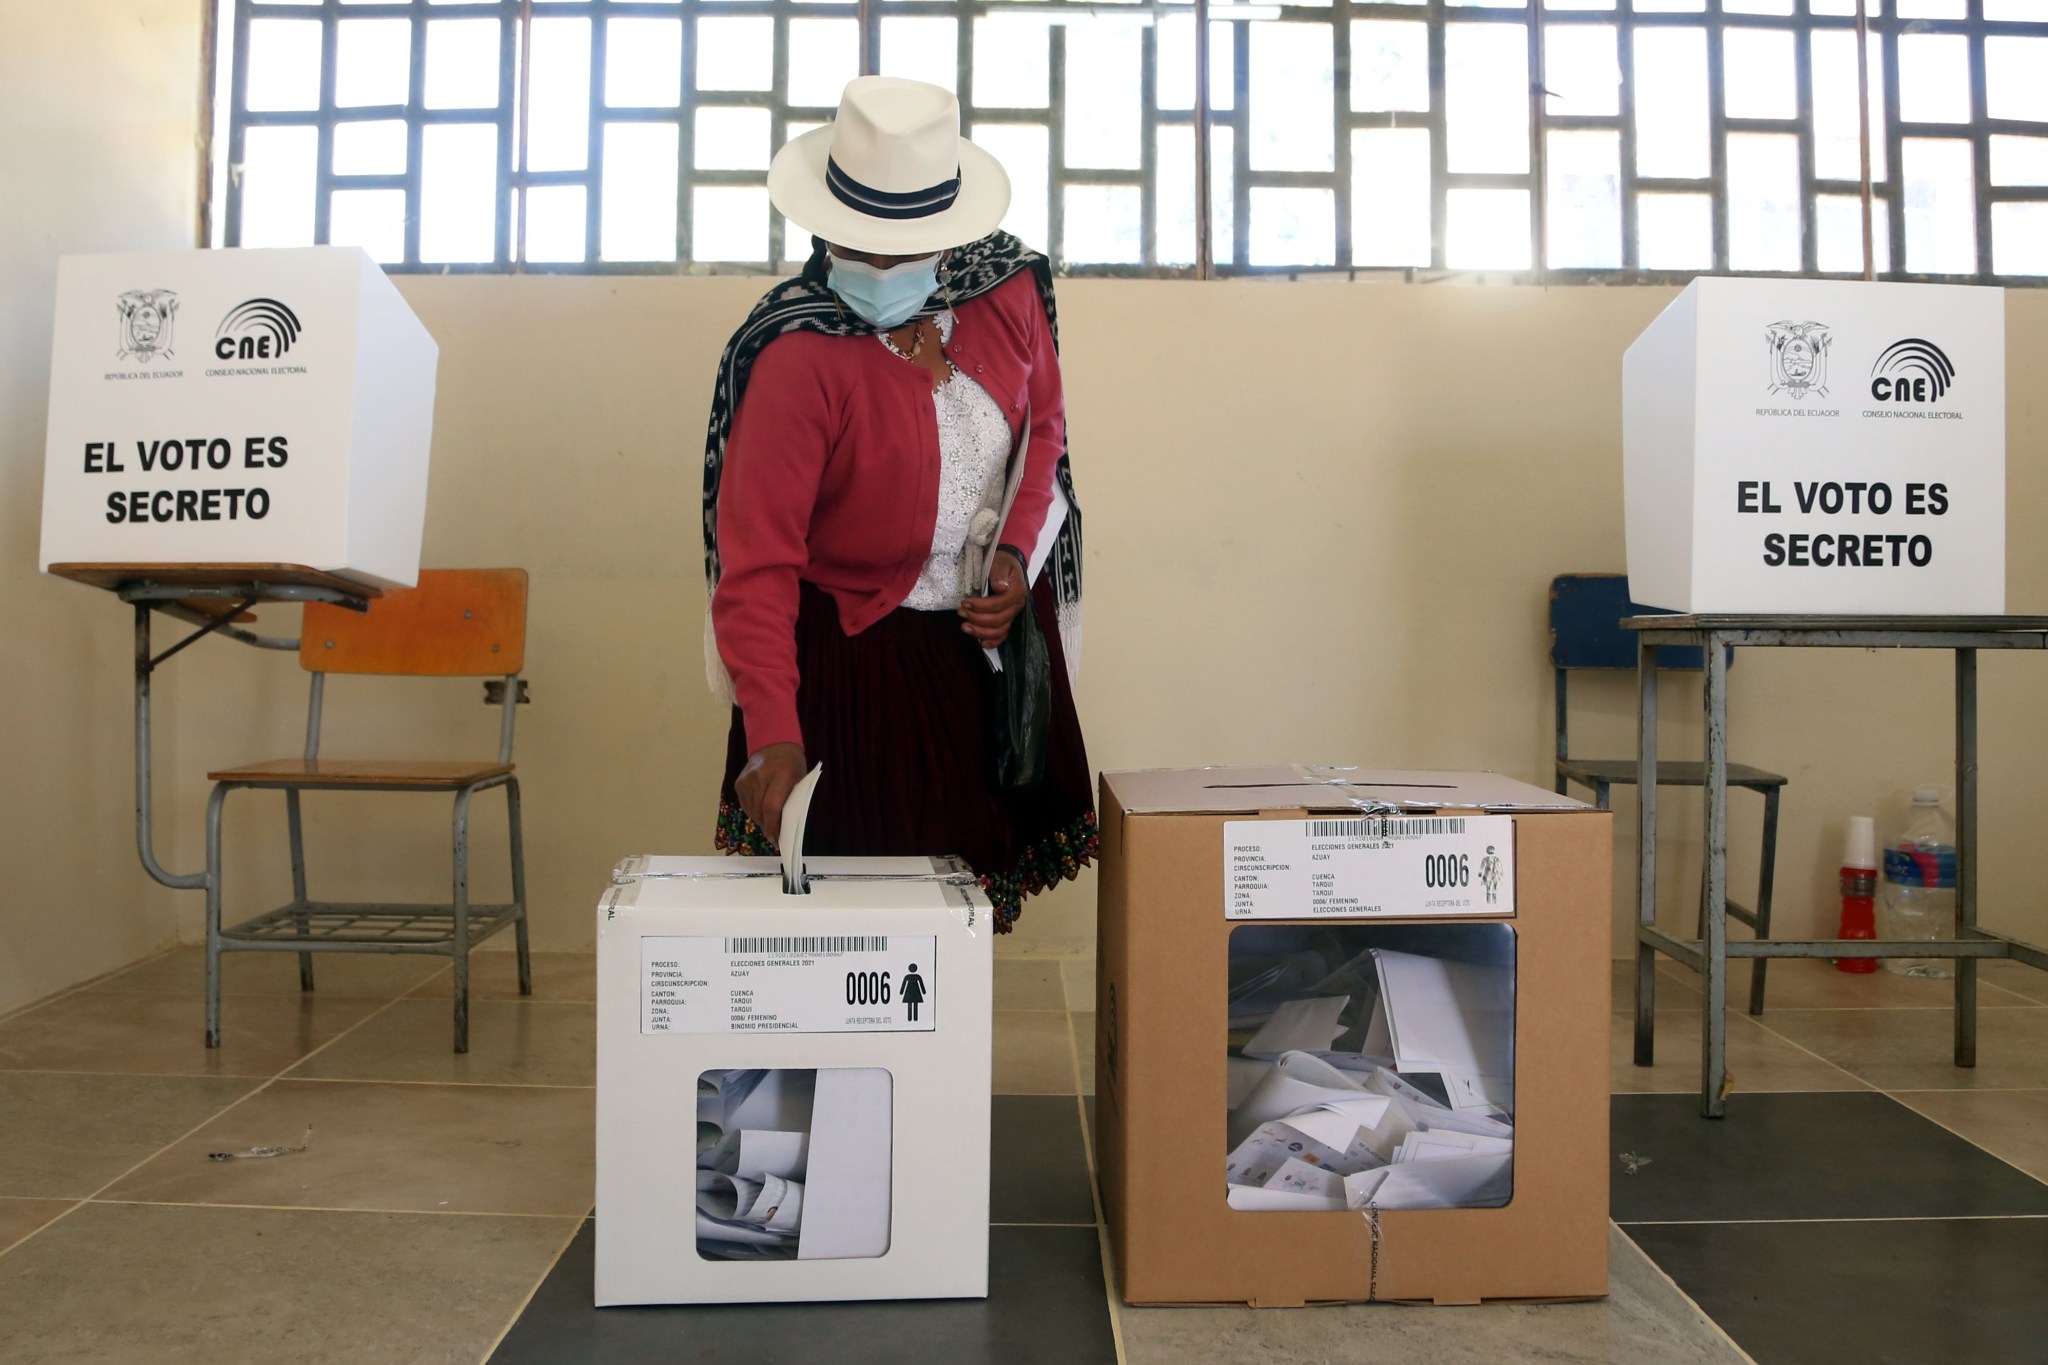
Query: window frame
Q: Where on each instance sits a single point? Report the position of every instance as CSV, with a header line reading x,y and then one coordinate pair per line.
x,y
230,127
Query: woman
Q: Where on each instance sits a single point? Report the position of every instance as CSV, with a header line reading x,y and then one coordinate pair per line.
x,y
863,414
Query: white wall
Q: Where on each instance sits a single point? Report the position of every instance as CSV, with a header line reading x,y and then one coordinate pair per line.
x,y
99,110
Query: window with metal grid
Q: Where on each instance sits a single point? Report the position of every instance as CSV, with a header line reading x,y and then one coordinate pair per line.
x,y
1595,140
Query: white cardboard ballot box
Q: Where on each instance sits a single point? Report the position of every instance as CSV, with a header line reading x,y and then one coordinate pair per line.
x,y
782,1115
1818,446
238,407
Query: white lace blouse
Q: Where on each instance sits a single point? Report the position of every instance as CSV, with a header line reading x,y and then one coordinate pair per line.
x,y
974,448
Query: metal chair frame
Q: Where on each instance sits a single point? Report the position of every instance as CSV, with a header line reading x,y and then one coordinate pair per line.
x,y
306,926
1602,775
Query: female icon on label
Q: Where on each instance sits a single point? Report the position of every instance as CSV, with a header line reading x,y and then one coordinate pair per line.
x,y
913,991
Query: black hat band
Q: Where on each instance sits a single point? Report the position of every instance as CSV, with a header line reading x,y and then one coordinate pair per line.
x,y
884,204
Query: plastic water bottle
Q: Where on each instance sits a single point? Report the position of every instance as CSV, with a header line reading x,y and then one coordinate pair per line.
x,y
1919,899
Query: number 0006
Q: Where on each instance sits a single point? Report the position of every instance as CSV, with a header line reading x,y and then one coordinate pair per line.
x,y
867,988
1447,869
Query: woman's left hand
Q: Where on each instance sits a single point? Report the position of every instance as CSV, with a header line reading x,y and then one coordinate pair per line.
x,y
988,618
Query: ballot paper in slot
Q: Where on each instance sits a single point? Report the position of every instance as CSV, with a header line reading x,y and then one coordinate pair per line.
x,y
796,814
793,1164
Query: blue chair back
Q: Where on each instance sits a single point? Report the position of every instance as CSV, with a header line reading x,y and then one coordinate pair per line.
x,y
1586,611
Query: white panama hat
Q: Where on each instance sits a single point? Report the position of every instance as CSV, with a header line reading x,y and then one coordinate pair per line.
x,y
891,174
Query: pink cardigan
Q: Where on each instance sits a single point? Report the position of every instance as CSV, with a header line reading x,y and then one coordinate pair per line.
x,y
832,476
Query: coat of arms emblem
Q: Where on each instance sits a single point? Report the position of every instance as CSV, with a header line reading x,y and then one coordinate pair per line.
x,y
1799,358
147,318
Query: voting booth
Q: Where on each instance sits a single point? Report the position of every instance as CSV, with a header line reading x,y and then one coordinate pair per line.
x,y
792,1088
1352,1036
238,407
1819,447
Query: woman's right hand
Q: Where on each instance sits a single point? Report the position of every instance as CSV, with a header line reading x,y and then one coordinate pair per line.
x,y
764,785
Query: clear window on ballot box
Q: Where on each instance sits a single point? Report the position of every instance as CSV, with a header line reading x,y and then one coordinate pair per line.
x,y
793,1163
1371,1066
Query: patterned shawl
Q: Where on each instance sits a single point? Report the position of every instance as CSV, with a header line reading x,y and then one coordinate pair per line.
x,y
805,304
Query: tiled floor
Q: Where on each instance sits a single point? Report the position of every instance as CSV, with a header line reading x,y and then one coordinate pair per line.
x,y
1862,1202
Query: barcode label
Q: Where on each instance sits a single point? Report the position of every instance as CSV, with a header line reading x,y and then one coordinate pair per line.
x,y
1387,827
814,944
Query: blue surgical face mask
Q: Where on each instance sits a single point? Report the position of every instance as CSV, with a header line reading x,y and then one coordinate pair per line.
x,y
885,298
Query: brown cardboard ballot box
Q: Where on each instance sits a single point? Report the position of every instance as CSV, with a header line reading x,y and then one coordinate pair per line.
x,y
1341,1007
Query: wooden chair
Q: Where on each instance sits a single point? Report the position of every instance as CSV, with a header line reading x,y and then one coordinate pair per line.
x,y
1586,612
456,623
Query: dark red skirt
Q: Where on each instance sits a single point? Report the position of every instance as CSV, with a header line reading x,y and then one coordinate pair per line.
x,y
895,715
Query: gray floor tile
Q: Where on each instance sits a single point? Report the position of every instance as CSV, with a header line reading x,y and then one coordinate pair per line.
x,y
152,1284
1038,1169
1915,1049
164,1034
371,1145
21,1217
1046,1305
2009,1124
369,976
511,1042
2016,977
1758,1059
1034,1053
1080,983
1643,1319
1847,1155
64,1135
1866,1293
1029,983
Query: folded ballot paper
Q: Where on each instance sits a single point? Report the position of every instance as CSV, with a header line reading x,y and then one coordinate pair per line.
x,y
1396,1094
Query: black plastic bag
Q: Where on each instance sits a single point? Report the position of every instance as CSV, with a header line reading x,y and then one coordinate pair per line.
x,y
1018,699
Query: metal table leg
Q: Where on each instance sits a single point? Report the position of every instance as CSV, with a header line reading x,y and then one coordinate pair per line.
x,y
145,835
1646,853
1766,886
1966,852
1714,950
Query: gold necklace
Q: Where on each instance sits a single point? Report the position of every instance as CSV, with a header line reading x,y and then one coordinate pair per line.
x,y
916,342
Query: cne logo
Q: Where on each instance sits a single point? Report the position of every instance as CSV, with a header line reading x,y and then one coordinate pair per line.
x,y
1911,371
1799,358
260,329
148,317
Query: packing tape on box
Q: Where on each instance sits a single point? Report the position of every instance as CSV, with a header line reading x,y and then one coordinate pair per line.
x,y
1345,791
947,871
1371,1214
